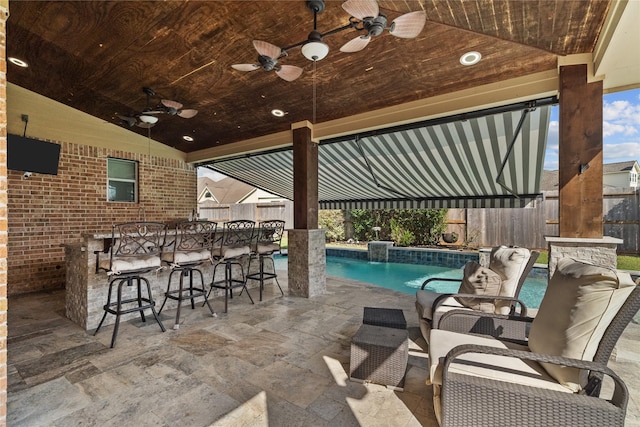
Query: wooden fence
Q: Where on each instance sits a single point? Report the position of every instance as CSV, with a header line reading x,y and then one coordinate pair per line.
x,y
486,227
528,227
252,211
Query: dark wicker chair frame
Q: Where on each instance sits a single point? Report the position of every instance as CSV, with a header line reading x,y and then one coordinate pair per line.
x,y
269,235
236,235
516,304
468,400
131,242
192,237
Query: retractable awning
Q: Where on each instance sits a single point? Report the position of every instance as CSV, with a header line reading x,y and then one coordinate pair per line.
x,y
490,158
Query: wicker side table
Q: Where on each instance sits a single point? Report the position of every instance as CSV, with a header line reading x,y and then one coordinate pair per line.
x,y
387,317
379,355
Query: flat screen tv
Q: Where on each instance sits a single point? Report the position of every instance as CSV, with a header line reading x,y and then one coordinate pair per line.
x,y
32,155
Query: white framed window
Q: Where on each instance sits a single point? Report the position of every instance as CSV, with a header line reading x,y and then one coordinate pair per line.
x,y
122,180
633,178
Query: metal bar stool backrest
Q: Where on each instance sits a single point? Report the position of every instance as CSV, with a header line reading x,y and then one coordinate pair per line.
x,y
137,246
193,243
236,238
269,236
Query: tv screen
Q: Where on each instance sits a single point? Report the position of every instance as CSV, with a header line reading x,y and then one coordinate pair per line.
x,y
32,155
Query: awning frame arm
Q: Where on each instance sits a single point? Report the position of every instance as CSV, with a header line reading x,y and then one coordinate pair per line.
x,y
500,177
373,176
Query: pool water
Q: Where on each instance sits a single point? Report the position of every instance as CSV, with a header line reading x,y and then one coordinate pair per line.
x,y
408,278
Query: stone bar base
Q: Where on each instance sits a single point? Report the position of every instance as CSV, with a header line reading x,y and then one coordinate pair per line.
x,y
86,291
307,263
597,251
379,251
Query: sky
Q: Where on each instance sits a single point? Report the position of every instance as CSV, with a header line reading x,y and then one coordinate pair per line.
x,y
620,129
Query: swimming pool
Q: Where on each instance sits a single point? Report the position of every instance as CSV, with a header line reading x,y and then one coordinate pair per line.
x,y
408,278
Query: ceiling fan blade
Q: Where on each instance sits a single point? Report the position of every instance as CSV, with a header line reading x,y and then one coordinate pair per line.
x,y
245,67
187,114
355,45
128,120
171,104
361,8
267,49
289,72
145,125
409,25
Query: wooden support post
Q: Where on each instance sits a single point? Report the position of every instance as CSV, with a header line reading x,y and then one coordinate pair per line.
x,y
305,179
580,154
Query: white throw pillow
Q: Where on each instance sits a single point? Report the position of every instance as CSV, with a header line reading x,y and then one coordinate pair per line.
x,y
478,280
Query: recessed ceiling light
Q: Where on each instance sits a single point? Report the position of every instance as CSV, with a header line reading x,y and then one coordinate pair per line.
x,y
18,62
470,58
278,113
187,138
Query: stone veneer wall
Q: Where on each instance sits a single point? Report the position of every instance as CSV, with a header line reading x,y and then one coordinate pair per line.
x,y
4,13
46,211
597,251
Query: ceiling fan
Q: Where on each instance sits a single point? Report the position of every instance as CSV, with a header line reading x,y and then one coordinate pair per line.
x,y
365,16
374,23
147,118
268,56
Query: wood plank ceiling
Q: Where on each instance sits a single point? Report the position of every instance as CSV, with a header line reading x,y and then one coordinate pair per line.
x,y
96,56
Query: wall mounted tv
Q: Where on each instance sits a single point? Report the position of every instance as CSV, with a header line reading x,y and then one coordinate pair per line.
x,y
32,155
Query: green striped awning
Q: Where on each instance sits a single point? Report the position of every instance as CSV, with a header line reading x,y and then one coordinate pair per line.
x,y
492,158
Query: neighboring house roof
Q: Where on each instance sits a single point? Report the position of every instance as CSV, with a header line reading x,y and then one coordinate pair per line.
x,y
225,191
550,179
619,167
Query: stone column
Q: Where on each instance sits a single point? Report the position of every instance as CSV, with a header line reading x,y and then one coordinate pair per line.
x,y
307,263
597,251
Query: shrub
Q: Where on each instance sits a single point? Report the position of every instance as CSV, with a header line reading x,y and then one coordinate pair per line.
x,y
332,221
425,225
400,235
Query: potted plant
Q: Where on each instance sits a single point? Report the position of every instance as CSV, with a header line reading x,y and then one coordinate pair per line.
x,y
450,237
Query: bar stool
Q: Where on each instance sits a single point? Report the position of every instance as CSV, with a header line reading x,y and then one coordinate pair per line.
x,y
235,245
269,236
135,250
191,248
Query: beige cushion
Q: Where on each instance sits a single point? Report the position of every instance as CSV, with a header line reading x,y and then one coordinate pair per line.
x,y
265,248
501,368
424,303
186,257
580,302
509,263
235,251
478,280
130,264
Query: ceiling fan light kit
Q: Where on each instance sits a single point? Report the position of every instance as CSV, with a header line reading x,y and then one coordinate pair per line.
x,y
365,16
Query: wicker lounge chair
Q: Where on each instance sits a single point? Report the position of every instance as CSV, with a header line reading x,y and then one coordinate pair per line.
x,y
508,269
553,376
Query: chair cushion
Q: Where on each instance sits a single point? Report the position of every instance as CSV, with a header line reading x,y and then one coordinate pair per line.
x,y
265,248
186,257
424,303
509,263
131,264
478,280
501,368
579,304
229,252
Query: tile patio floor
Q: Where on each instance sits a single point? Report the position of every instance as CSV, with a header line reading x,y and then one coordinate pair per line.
x,y
281,362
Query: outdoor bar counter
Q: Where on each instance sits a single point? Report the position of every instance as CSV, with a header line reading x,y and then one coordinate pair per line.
x,y
86,290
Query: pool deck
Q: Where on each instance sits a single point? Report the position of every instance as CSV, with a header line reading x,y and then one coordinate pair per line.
x,y
283,361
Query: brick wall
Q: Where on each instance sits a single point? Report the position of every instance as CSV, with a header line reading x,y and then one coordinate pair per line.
x,y
48,210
